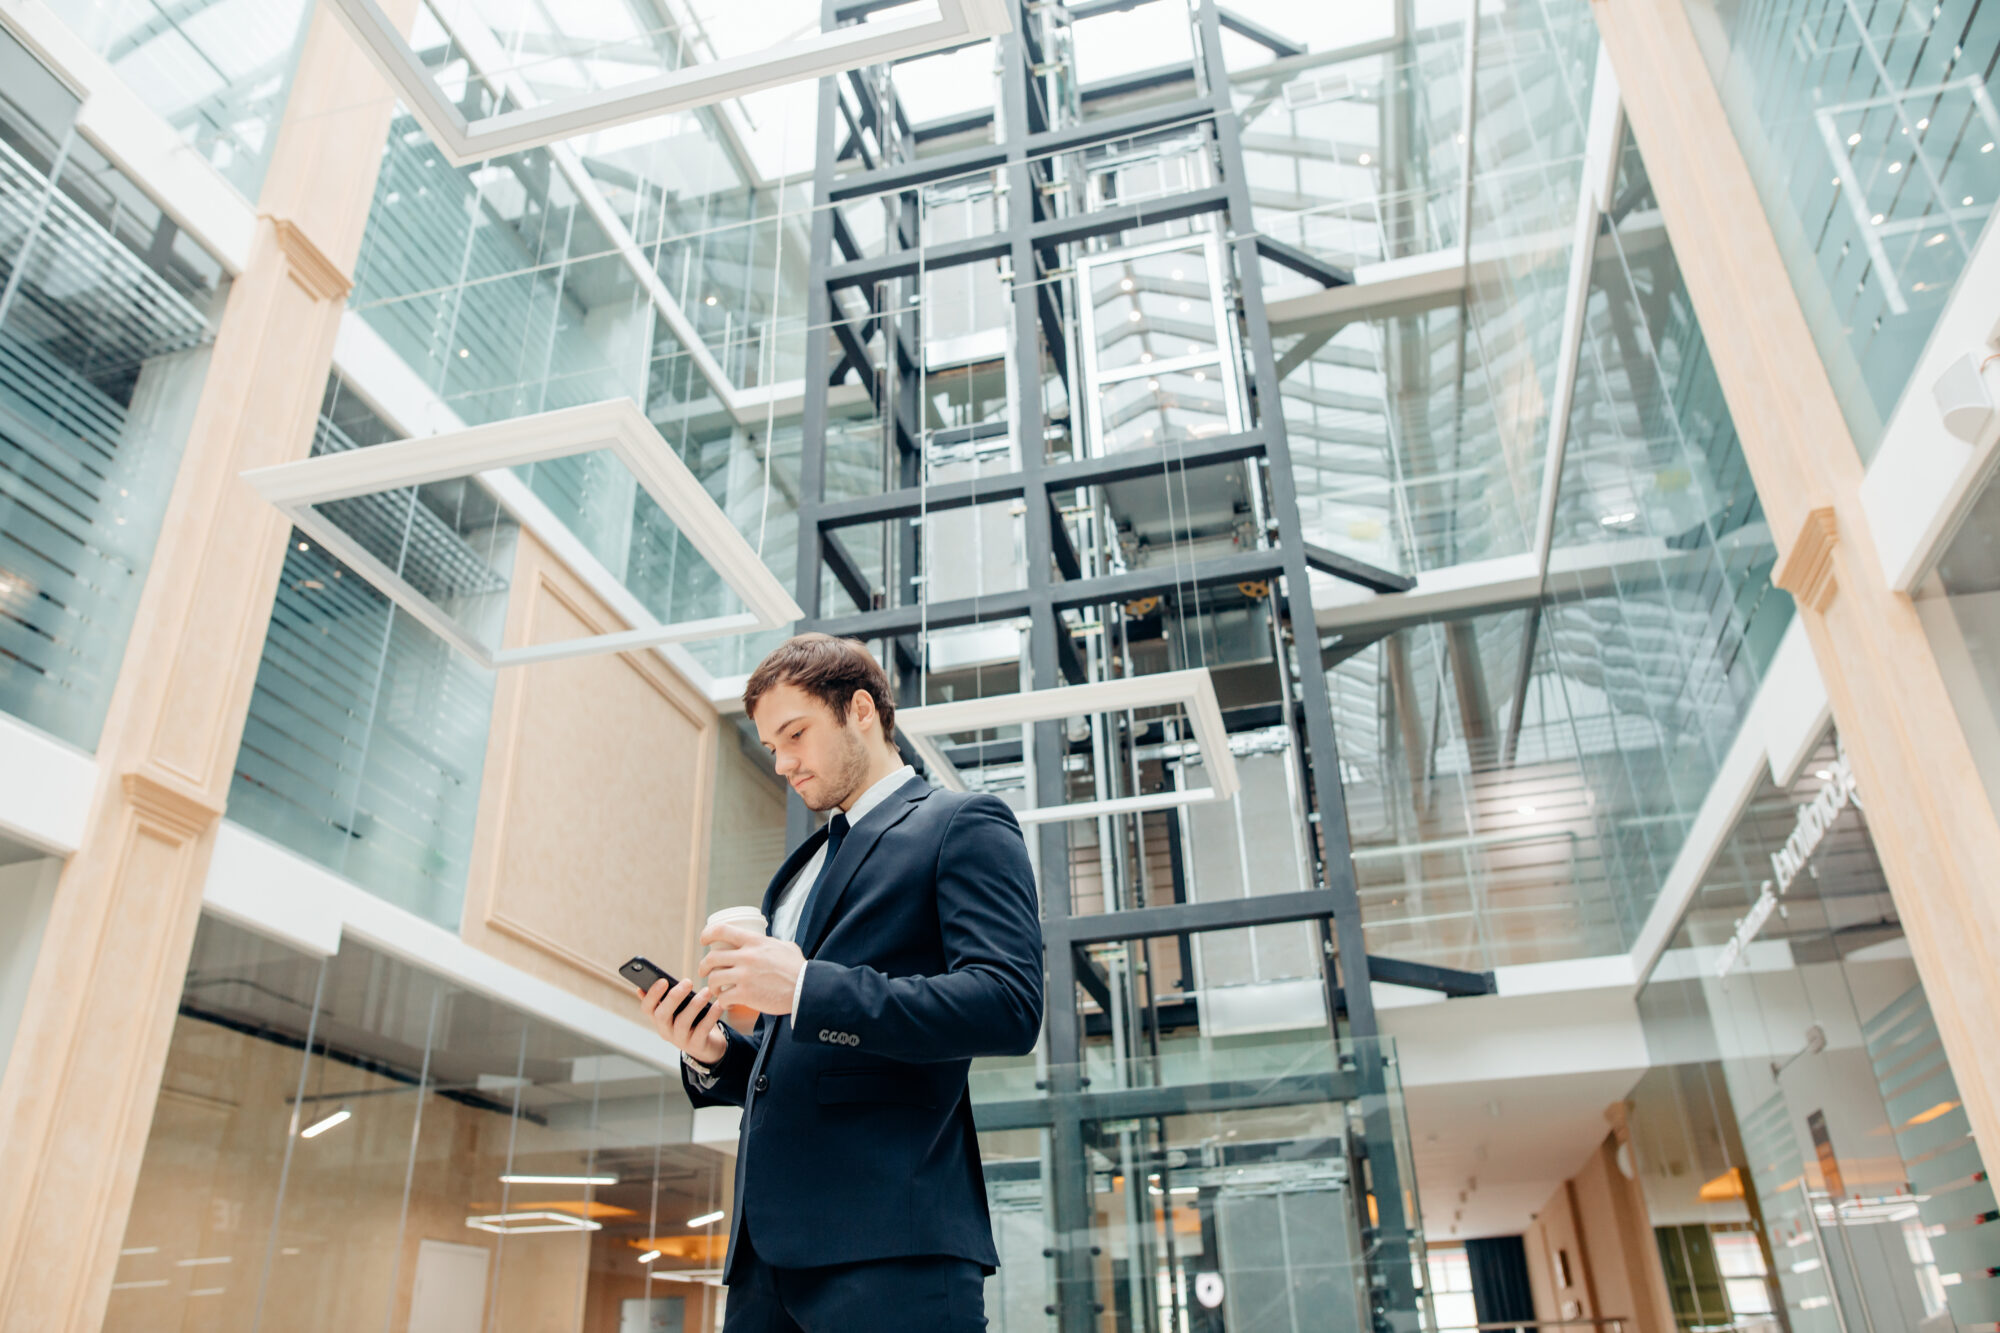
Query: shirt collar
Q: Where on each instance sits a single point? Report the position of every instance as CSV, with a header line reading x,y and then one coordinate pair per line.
x,y
879,793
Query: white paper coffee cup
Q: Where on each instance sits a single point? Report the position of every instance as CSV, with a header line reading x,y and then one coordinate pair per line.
x,y
748,918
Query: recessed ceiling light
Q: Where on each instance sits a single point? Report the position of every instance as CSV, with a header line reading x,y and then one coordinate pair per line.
x,y
1527,809
1853,139
1125,285
1824,774
1895,167
1986,148
1365,159
1877,219
649,1256
1132,316
1177,272
1966,201
709,299
706,1218
465,351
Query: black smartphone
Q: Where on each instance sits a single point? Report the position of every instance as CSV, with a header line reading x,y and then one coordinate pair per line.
x,y
643,972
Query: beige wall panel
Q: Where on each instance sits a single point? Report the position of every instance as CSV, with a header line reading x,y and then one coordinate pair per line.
x,y
1933,827
594,811
1598,1219
747,837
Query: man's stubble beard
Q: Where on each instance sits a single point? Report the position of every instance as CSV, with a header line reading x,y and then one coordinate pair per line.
x,y
853,768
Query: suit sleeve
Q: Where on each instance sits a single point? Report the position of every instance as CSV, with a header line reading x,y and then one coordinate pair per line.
x,y
731,1073
989,999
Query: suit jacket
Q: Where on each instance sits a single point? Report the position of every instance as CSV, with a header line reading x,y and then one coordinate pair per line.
x,y
925,950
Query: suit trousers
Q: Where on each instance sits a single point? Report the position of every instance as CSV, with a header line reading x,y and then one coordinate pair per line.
x,y
933,1292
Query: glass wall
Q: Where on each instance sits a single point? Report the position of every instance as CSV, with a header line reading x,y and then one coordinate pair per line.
x,y
106,315
1869,130
1959,605
352,1143
1226,1187
1799,1093
218,71
1520,778
648,263
367,732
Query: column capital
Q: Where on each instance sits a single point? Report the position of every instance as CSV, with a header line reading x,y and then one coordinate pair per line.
x,y
1806,568
322,279
170,801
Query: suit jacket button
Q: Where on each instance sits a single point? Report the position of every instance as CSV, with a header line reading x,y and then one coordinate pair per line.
x,y
763,1083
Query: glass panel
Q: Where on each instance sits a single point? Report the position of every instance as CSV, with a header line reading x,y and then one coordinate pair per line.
x,y
367,733
1800,1096
218,71
106,313
1168,407
1235,1182
1156,307
1869,131
354,1143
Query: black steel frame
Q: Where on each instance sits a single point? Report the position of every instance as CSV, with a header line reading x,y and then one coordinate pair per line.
x,y
838,346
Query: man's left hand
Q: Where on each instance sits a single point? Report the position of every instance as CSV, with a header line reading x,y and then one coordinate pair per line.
x,y
751,970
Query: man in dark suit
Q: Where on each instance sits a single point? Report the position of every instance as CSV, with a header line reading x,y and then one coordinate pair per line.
x,y
905,940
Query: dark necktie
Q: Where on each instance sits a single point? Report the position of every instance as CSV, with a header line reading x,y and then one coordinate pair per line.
x,y
836,833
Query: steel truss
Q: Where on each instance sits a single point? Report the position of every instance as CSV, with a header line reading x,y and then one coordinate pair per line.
x,y
881,141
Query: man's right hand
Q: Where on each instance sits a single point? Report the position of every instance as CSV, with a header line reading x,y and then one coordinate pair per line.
x,y
675,1020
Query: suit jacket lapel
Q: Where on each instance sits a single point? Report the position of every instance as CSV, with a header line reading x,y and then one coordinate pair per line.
x,y
853,851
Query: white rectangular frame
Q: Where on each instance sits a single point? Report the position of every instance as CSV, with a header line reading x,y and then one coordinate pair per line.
x,y
616,424
927,26
1193,689
1225,358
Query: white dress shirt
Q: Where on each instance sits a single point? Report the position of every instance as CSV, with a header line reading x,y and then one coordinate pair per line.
x,y
791,906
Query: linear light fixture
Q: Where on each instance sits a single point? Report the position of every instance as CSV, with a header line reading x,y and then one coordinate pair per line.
x,y
707,1218
649,1256
903,30
558,1180
529,1223
617,425
324,1123
1192,689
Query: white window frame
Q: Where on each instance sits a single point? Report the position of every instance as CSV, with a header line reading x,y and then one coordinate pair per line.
x,y
908,30
1193,689
478,451
1224,358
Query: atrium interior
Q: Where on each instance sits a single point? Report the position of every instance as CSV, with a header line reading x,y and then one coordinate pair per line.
x,y
1463,530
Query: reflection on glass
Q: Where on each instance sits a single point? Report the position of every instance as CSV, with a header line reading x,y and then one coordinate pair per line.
x,y
106,312
1869,132
218,71
367,733
489,1170
1801,1103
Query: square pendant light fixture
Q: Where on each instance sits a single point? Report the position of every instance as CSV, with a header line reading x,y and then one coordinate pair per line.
x,y
889,32
1193,690
432,523
530,1223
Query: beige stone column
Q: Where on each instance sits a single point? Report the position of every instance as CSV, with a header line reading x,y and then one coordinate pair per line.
x,y
1934,830
78,1095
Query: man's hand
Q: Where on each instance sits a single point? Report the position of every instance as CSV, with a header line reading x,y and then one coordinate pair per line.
x,y
753,970
676,1021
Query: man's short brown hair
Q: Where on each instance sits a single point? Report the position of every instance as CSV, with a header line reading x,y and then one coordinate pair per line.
x,y
830,670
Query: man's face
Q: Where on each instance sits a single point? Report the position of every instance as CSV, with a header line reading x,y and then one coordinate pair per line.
x,y
824,760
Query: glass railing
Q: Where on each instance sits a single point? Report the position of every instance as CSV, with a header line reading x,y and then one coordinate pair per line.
x,y
1869,131
366,736
1225,1182
106,313
218,71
